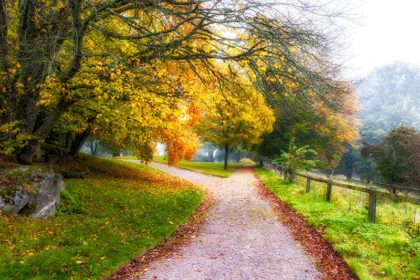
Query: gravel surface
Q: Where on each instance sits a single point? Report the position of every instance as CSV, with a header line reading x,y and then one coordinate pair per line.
x,y
242,237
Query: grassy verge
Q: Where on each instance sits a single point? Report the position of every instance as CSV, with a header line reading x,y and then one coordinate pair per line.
x,y
104,221
210,168
385,250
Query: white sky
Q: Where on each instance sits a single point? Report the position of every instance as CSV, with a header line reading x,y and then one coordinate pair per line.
x,y
387,31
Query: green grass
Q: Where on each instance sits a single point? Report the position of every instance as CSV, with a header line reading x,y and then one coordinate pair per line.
x,y
104,221
210,168
387,249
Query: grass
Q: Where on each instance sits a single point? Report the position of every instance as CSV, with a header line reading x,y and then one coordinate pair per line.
x,y
104,221
387,249
210,168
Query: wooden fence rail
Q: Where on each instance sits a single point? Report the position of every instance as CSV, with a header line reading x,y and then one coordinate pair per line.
x,y
395,192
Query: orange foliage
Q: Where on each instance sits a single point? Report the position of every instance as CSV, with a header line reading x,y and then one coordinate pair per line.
x,y
181,140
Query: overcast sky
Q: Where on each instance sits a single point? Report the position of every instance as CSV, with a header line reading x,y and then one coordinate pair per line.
x,y
387,31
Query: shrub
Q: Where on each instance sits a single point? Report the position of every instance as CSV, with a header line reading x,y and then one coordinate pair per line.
x,y
70,203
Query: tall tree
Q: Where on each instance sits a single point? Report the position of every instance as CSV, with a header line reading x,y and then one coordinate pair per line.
x,y
56,56
236,116
321,115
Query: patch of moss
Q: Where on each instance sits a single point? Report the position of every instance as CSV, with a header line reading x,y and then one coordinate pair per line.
x,y
7,193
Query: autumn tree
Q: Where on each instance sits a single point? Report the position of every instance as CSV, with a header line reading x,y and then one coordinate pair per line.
x,y
73,68
319,114
236,115
397,157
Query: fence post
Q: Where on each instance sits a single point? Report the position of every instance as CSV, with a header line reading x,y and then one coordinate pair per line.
x,y
372,206
308,185
329,188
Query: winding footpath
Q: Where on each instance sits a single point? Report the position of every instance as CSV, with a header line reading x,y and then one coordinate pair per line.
x,y
241,238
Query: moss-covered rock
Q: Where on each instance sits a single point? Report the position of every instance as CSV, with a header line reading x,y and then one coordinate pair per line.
x,y
13,198
34,191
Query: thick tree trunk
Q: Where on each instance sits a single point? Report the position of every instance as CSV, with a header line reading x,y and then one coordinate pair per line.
x,y
3,61
226,157
34,58
30,153
78,142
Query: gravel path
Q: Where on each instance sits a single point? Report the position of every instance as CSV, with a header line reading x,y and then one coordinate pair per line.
x,y
242,237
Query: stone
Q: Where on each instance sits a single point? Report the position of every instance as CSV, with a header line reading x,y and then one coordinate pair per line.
x,y
46,195
13,198
35,191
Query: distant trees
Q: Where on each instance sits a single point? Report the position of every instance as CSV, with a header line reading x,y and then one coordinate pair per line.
x,y
388,98
397,157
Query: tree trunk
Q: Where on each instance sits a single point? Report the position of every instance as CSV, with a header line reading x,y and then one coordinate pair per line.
x,y
226,157
292,176
30,153
78,142
94,144
210,155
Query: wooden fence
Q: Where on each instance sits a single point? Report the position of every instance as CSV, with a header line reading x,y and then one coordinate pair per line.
x,y
398,193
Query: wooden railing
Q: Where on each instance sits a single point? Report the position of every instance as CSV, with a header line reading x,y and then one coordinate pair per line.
x,y
398,193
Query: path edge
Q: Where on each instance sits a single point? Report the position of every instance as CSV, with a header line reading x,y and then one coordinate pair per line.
x,y
330,263
168,246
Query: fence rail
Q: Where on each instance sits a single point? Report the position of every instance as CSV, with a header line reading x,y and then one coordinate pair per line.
x,y
395,192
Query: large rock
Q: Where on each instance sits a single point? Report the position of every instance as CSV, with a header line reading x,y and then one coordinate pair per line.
x,y
42,189
13,198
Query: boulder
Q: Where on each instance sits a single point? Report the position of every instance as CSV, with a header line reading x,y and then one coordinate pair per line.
x,y
13,198
45,197
42,189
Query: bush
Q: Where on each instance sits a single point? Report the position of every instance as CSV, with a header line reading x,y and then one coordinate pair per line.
x,y
70,203
296,158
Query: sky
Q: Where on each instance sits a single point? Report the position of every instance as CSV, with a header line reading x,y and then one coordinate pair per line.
x,y
384,32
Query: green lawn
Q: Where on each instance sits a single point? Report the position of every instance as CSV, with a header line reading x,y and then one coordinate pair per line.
x,y
210,168
104,221
385,250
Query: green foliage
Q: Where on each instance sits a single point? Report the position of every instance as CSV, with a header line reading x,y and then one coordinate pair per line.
x,y
397,157
70,203
390,99
327,125
385,250
296,158
12,138
128,208
353,163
